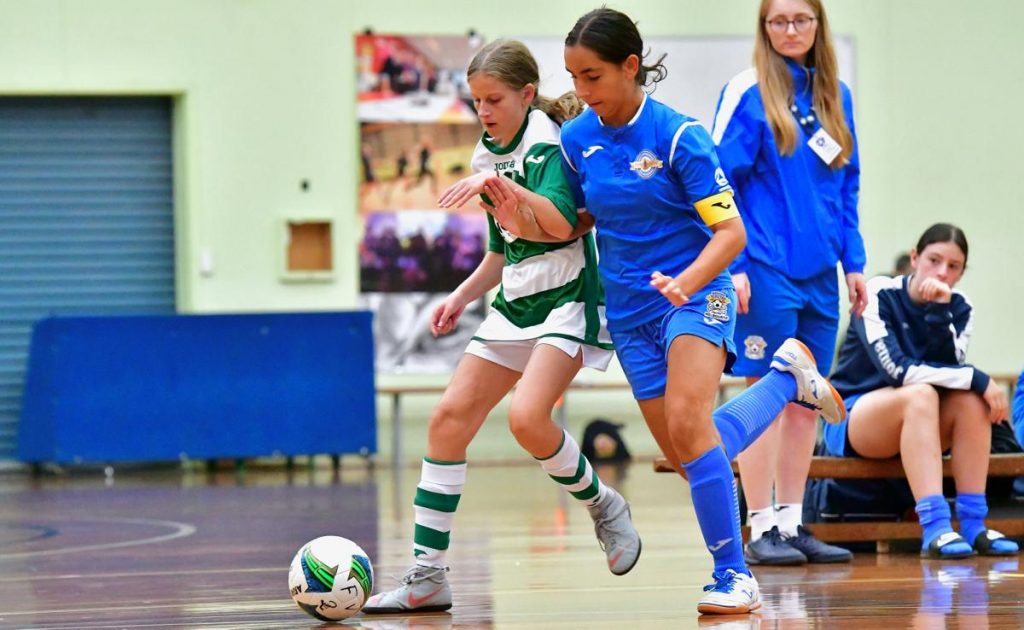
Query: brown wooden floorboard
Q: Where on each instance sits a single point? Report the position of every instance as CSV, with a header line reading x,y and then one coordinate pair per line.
x,y
172,550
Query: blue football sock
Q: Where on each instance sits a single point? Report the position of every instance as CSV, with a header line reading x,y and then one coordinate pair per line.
x,y
713,489
744,418
933,514
971,510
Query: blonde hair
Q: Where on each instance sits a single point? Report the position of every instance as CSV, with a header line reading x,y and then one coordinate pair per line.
x,y
776,86
511,62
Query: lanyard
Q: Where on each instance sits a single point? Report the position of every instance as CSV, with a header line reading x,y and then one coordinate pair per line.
x,y
806,120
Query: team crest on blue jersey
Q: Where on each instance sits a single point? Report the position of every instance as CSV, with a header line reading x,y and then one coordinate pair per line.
x,y
646,164
754,347
718,307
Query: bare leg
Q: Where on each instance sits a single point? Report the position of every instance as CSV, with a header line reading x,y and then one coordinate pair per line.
x,y
902,421
964,418
545,379
694,371
476,387
799,429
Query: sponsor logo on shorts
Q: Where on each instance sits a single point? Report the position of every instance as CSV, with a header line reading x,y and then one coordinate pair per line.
x,y
718,307
754,347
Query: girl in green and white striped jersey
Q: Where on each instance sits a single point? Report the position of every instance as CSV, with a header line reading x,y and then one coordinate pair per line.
x,y
546,322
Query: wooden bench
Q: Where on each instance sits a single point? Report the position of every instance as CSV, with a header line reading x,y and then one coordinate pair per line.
x,y
1000,465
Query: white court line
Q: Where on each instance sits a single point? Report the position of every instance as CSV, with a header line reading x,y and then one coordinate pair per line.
x,y
181,530
142,574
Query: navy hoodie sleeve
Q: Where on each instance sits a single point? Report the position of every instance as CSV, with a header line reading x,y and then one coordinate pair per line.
x,y
876,331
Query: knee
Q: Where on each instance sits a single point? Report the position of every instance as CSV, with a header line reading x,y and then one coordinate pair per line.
x,y
968,406
447,419
685,416
526,421
921,402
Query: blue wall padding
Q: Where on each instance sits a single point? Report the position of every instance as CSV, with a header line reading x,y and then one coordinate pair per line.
x,y
149,388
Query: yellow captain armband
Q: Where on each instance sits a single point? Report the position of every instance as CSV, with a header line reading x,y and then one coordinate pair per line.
x,y
717,208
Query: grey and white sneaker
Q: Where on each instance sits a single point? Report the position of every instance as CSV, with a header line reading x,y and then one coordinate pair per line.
x,y
613,524
812,389
423,589
731,594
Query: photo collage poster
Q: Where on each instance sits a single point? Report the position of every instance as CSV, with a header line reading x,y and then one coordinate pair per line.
x,y
418,131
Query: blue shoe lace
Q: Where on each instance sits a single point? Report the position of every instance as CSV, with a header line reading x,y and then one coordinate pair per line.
x,y
724,582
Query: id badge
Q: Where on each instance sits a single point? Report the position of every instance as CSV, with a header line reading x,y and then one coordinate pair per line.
x,y
824,146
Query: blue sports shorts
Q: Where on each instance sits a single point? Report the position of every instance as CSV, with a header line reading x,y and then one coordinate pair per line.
x,y
781,307
643,351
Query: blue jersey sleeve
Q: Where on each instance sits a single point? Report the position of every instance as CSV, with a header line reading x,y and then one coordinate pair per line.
x,y
695,164
572,177
853,256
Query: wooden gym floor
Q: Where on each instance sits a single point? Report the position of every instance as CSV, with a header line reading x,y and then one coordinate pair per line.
x,y
166,549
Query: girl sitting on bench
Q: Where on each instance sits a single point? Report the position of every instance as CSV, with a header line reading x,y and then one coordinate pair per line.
x,y
909,392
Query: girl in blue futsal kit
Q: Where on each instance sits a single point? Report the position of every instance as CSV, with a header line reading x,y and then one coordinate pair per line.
x,y
910,392
667,228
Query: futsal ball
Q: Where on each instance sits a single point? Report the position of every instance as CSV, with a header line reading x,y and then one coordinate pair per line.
x,y
330,578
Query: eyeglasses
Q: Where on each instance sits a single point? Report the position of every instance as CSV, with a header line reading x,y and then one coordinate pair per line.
x,y
781,24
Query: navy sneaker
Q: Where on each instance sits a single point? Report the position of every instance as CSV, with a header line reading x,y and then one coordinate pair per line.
x,y
817,552
773,549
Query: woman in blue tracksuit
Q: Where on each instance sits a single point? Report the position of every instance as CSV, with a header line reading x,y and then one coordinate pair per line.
x,y
910,393
784,133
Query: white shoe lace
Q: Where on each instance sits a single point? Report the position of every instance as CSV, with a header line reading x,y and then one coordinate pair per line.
x,y
418,573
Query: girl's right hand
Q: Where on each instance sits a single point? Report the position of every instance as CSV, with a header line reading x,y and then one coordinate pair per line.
x,y
741,282
446,315
463,190
998,405
933,290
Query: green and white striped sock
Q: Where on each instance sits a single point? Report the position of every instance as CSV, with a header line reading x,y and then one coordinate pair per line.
x,y
437,496
570,468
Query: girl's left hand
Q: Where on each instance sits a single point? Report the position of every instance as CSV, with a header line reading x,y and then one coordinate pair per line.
x,y
858,293
998,405
669,288
506,201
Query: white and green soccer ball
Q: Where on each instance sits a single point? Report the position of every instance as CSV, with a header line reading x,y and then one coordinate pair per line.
x,y
330,578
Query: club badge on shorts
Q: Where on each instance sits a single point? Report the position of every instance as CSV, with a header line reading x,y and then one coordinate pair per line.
x,y
754,347
718,307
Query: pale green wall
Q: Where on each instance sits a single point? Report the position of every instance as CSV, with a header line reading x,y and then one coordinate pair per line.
x,y
265,99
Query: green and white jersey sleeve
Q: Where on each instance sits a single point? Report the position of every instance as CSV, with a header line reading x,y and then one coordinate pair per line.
x,y
547,289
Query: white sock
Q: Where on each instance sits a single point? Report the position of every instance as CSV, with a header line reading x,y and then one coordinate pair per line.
x,y
789,515
570,468
437,497
760,522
